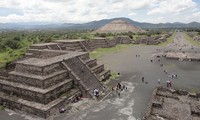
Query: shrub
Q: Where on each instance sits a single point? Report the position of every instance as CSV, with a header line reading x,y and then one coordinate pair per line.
x,y
12,44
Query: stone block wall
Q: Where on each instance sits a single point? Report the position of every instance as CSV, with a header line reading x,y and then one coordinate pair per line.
x,y
44,54
48,110
37,95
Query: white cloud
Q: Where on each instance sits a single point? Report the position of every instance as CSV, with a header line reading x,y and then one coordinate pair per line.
x,y
88,10
172,6
131,14
196,14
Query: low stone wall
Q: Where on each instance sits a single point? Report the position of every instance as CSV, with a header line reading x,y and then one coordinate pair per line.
x,y
195,109
44,54
167,97
149,107
54,47
52,109
45,83
36,96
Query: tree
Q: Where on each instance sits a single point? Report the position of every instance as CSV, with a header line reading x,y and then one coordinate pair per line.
x,y
12,44
16,38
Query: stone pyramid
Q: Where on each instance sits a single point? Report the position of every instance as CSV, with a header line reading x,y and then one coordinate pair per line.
x,y
118,26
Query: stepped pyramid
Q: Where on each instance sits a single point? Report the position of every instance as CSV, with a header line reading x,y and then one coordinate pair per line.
x,y
118,26
49,77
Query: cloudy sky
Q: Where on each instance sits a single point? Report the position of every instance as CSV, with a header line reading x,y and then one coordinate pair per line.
x,y
80,11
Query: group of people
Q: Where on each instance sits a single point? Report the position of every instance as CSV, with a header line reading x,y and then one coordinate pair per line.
x,y
96,93
137,55
169,83
119,88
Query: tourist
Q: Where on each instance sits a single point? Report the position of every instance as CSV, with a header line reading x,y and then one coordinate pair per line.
x,y
113,88
124,87
118,93
172,76
168,82
142,79
119,86
151,60
176,75
159,81
62,110
96,93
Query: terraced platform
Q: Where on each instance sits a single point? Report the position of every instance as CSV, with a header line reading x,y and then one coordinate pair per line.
x,y
48,79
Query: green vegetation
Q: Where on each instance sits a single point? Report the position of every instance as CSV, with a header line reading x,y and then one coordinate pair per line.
x,y
193,90
114,76
169,40
13,44
192,41
64,94
100,52
130,34
1,107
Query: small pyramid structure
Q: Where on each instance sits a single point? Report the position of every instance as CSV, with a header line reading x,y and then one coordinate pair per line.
x,y
118,26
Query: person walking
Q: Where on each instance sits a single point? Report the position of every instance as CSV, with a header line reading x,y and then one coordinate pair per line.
x,y
142,79
159,81
118,93
119,86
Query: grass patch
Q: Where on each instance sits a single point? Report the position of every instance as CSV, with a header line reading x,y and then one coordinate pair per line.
x,y
193,90
64,94
114,76
169,40
169,65
11,55
190,40
1,107
109,37
100,52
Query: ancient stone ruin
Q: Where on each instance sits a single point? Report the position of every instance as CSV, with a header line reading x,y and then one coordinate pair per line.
x,y
49,76
171,104
118,26
182,56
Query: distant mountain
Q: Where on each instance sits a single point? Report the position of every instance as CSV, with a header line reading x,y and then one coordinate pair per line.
x,y
93,25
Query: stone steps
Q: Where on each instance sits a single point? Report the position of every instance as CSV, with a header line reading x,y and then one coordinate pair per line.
x,y
91,62
104,75
98,68
34,108
33,93
54,47
85,74
86,46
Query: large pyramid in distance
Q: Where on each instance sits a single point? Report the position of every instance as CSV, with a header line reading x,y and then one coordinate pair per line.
x,y
118,26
